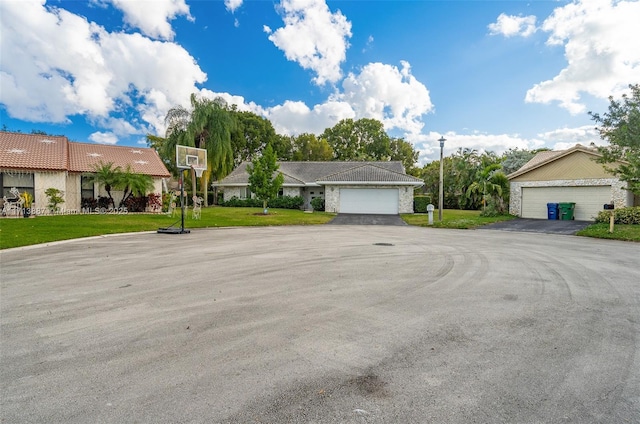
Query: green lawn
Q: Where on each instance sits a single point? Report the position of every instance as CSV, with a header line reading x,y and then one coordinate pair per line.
x,y
620,232
454,219
15,232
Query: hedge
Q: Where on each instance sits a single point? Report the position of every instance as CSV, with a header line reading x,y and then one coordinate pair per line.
x,y
630,215
285,202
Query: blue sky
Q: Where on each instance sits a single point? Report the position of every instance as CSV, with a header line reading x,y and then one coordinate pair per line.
x,y
488,75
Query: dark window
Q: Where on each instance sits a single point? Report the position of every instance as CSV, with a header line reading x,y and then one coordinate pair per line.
x,y
281,192
21,181
87,188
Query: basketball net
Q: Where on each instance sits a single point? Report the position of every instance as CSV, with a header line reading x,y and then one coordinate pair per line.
x,y
199,171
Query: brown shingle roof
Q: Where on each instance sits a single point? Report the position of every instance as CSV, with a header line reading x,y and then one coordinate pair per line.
x,y
33,151
57,153
143,160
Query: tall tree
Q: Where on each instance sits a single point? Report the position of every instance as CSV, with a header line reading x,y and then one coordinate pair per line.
x,y
514,159
620,126
364,139
262,179
251,135
283,147
308,147
404,152
208,125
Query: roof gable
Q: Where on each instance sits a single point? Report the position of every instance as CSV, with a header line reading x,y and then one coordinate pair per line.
x,y
578,162
303,173
368,173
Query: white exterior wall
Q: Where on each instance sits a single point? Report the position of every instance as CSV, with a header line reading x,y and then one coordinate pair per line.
x,y
291,191
619,195
72,192
332,196
230,192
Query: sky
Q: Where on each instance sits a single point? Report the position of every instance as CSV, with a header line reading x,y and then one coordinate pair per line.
x,y
485,75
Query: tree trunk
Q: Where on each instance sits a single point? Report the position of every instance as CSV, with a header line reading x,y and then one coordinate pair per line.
x,y
264,207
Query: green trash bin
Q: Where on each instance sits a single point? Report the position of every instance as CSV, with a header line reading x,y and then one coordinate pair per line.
x,y
566,211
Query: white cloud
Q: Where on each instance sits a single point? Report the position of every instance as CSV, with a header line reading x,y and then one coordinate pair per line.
x,y
429,147
232,5
564,138
293,118
313,37
152,17
600,42
97,74
104,138
391,95
509,25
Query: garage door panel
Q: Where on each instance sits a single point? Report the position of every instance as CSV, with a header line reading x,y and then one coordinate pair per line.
x,y
588,200
382,201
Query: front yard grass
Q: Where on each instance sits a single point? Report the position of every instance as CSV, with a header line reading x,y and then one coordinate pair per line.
x,y
620,232
16,232
452,218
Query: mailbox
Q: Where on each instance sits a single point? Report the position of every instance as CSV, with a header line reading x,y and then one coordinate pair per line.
x,y
608,206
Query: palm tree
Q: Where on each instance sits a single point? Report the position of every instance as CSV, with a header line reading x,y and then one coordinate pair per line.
x,y
134,184
105,174
491,181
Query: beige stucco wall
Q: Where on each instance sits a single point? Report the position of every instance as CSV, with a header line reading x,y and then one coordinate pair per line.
x,y
332,197
619,194
44,180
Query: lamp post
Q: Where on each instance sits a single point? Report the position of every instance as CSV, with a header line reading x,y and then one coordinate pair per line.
x,y
441,191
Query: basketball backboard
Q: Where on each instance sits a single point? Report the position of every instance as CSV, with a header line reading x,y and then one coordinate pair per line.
x,y
188,157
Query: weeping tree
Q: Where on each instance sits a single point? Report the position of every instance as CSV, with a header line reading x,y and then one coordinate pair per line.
x,y
207,125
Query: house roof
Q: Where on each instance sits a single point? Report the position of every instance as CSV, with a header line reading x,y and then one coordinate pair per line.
x,y
33,151
57,153
370,173
84,156
305,173
546,157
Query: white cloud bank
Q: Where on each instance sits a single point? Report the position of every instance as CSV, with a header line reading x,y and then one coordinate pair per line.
x,y
600,40
313,37
97,74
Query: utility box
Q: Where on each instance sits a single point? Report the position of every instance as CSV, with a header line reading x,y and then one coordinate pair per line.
x,y
552,211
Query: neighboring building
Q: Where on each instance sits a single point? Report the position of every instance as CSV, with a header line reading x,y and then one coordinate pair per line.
x,y
346,187
571,175
35,162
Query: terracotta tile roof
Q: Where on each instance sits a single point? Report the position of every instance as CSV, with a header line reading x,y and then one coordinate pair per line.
x,y
301,173
33,151
143,160
57,153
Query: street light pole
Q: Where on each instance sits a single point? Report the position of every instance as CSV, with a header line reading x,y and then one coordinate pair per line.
x,y
441,191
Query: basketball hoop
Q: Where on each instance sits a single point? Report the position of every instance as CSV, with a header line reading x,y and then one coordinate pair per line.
x,y
199,171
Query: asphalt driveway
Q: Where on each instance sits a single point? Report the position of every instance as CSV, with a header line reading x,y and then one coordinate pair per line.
x,y
366,219
323,324
538,226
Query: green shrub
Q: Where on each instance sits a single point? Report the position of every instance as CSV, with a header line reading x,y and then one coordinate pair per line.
x,y
285,202
630,215
318,204
420,203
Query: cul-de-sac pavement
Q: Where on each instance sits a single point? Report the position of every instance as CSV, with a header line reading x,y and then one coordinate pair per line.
x,y
322,324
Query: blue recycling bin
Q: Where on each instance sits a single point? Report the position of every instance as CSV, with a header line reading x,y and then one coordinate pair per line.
x,y
552,210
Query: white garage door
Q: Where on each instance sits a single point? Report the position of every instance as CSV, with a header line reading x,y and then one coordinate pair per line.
x,y
382,201
589,200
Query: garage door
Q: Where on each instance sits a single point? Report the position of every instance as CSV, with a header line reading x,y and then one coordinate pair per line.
x,y
382,201
588,200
